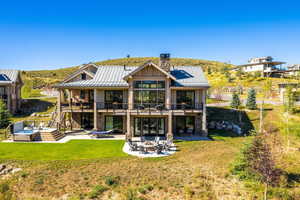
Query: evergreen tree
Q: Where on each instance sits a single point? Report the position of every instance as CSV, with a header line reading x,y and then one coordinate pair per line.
x,y
251,99
289,103
235,101
4,115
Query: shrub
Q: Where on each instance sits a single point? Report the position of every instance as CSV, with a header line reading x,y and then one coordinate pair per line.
x,y
132,195
4,187
145,189
97,190
4,115
5,194
112,180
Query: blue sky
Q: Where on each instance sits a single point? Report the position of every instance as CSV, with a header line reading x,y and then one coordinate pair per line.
x,y
53,34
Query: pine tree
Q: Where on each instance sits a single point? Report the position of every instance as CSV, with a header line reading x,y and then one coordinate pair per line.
x,y
290,99
235,101
4,115
251,99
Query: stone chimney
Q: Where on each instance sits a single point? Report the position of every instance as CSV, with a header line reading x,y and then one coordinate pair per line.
x,y
164,61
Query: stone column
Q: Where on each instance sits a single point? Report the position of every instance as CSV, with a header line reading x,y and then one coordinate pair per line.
x,y
96,127
13,99
204,126
130,95
170,126
129,131
8,92
168,94
59,119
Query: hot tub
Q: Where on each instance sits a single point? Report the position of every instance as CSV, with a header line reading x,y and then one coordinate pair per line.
x,y
26,135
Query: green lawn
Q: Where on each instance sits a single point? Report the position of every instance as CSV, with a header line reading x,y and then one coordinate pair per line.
x,y
73,150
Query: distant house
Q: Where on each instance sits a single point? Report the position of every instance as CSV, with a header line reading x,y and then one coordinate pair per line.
x,y
146,100
265,65
10,89
293,69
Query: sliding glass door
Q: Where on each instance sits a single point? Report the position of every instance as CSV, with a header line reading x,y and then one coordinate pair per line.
x,y
185,125
114,123
152,126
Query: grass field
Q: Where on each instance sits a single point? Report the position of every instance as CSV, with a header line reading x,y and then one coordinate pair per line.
x,y
73,150
98,169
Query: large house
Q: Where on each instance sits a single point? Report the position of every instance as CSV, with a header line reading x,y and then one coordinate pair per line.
x,y
148,100
10,89
264,65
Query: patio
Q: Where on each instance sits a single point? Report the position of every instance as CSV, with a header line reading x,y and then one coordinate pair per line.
x,y
142,147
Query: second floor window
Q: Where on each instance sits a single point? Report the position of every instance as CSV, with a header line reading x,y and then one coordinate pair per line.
x,y
113,99
149,84
149,94
82,94
83,76
185,98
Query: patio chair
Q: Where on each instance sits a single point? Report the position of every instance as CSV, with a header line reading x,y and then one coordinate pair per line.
x,y
159,149
156,139
142,150
133,146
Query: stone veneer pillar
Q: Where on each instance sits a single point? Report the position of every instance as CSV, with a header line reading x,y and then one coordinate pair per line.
x,y
204,126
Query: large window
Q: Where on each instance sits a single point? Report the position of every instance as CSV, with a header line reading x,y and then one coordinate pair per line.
x,y
185,99
114,123
114,99
149,94
149,84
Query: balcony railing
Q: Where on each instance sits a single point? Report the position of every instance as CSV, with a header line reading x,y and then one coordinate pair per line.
x,y
183,106
114,105
137,106
155,106
78,105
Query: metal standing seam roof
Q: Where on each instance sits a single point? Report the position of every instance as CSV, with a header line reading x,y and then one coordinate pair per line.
x,y
11,75
112,76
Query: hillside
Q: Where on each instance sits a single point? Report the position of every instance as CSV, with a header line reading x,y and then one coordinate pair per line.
x,y
42,78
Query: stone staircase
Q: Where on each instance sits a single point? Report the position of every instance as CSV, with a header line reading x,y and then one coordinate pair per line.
x,y
51,135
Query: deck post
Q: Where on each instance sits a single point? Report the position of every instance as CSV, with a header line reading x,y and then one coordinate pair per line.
x,y
168,94
170,126
59,105
204,125
95,111
129,132
130,95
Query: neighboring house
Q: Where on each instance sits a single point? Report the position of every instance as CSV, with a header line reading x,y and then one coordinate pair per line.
x,y
10,89
265,65
295,88
151,100
293,70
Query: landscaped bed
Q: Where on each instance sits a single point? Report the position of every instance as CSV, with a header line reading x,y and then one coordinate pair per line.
x,y
73,150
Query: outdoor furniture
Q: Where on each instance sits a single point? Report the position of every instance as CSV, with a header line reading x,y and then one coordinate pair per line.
x,y
159,149
133,146
99,134
157,139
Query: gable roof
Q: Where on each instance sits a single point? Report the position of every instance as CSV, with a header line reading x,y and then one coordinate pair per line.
x,y
80,71
147,65
9,75
113,76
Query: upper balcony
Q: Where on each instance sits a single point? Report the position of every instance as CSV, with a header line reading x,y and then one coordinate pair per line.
x,y
136,106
